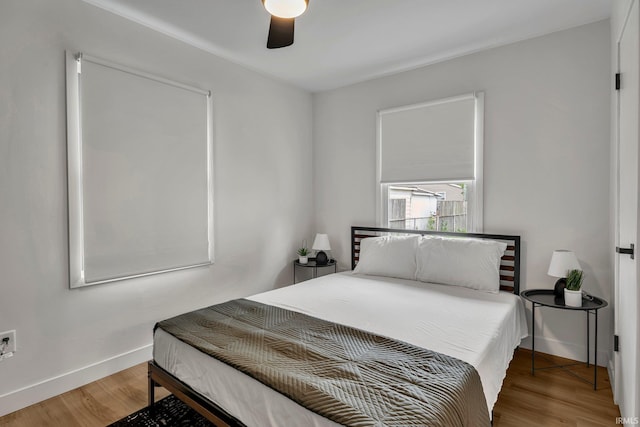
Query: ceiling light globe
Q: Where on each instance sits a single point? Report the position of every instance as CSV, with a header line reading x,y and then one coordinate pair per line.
x,y
285,8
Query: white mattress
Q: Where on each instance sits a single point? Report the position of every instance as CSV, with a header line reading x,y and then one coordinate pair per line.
x,y
480,328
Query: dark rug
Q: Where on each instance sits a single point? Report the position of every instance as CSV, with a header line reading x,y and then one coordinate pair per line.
x,y
169,411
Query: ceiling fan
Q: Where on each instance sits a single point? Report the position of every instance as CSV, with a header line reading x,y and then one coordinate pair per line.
x,y
283,14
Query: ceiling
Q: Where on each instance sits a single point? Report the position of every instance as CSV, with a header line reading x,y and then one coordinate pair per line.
x,y
339,42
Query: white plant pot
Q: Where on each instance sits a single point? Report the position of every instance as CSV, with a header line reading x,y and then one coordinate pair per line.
x,y
303,259
572,298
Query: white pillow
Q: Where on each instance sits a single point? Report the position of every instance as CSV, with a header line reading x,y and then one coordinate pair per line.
x,y
471,263
391,256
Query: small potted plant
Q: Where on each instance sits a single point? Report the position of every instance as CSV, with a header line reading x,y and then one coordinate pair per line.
x,y
572,292
303,255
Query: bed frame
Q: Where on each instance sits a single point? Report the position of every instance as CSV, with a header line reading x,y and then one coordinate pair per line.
x,y
509,281
214,413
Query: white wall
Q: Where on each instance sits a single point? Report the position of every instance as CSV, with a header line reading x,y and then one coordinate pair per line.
x,y
546,158
263,209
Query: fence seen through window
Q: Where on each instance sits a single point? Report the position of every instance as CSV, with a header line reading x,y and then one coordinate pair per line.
x,y
429,206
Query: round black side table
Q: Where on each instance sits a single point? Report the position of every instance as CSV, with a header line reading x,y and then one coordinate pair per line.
x,y
314,266
546,298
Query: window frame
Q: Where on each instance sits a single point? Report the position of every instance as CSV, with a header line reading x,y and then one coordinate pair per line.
x,y
475,202
76,179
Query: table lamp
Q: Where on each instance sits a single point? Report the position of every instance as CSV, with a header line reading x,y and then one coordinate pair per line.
x,y
321,244
562,261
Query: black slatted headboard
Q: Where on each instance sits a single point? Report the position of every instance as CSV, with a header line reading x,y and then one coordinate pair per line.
x,y
509,266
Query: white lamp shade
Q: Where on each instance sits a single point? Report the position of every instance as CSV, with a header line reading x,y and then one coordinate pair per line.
x,y
321,243
285,8
562,261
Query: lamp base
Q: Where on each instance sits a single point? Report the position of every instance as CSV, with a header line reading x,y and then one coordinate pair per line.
x,y
558,289
321,258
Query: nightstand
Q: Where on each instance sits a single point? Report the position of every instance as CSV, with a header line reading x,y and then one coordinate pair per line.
x,y
331,264
546,298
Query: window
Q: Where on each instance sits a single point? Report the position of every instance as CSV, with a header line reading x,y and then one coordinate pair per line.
x,y
429,158
140,173
428,206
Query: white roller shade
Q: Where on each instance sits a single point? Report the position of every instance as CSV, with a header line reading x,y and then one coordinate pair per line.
x,y
140,199
428,142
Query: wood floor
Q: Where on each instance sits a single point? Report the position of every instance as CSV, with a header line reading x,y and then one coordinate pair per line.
x,y
553,397
550,398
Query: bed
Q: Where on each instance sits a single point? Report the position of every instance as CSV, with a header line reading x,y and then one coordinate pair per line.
x,y
477,327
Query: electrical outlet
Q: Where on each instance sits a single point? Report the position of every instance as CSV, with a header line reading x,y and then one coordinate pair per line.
x,y
10,338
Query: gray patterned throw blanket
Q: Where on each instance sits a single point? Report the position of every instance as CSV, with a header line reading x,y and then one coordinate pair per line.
x,y
350,376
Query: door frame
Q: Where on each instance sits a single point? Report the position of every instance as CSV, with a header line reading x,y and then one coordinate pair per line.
x,y
616,378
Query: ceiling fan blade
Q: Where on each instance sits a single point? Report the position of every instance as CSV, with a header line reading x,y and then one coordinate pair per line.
x,y
280,32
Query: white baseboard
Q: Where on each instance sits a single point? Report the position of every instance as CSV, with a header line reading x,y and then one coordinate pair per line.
x,y
611,370
567,350
34,393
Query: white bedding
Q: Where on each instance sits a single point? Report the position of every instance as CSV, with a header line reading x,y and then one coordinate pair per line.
x,y
480,328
